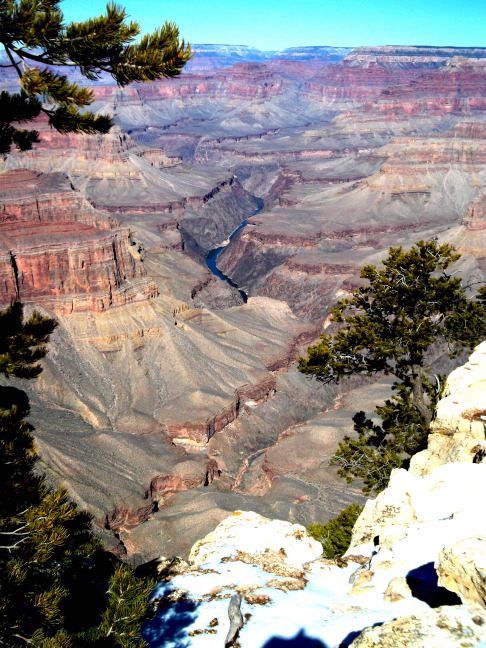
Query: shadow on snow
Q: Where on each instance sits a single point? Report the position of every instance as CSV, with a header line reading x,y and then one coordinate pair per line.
x,y
423,581
301,640
169,626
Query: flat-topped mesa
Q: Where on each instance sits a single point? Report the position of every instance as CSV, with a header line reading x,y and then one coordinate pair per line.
x,y
210,57
425,52
59,252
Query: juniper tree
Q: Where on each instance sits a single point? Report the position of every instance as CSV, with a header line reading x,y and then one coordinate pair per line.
x,y
58,587
36,41
389,326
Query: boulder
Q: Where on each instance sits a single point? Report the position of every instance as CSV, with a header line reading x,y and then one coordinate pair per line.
x,y
397,590
450,626
461,568
458,430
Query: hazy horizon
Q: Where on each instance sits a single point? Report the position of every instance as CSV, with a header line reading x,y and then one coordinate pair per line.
x,y
271,25
397,45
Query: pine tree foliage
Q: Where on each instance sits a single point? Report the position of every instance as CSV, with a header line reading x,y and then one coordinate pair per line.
x,y
335,535
22,344
124,614
58,588
35,38
376,449
389,326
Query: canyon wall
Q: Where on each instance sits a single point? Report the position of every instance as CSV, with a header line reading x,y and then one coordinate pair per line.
x,y
57,251
166,402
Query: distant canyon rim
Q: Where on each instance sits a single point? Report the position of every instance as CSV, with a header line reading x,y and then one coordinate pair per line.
x,y
166,400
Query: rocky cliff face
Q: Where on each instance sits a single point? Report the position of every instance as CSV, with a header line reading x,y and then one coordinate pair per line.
x,y
57,251
413,575
457,431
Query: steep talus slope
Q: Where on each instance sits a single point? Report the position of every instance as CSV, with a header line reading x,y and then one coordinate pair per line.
x,y
128,395
413,575
124,361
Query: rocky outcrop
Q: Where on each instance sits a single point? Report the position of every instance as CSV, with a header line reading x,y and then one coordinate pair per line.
x,y
475,218
56,250
283,543
458,429
275,567
444,627
414,548
201,433
461,568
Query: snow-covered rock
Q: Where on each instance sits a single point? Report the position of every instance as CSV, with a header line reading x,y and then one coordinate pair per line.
x,y
458,430
451,495
284,597
456,626
248,532
465,396
461,568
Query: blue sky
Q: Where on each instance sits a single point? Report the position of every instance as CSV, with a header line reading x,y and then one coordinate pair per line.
x,y
277,24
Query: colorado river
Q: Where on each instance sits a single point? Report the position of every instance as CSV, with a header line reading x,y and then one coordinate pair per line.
x,y
212,257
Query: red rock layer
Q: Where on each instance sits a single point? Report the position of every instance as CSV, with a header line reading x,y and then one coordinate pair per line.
x,y
29,196
202,432
361,77
475,218
243,80
457,87
108,150
56,250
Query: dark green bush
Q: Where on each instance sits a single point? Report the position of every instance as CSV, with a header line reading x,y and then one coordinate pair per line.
x,y
335,535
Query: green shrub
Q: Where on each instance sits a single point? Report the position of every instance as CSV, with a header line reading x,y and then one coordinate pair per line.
x,y
335,535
